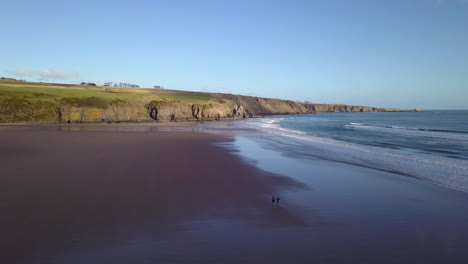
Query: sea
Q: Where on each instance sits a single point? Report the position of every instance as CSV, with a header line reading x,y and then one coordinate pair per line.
x,y
430,145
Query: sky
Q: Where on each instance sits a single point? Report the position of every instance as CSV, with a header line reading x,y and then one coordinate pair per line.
x,y
386,53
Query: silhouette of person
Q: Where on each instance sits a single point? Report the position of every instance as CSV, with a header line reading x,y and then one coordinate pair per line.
x,y
273,201
277,200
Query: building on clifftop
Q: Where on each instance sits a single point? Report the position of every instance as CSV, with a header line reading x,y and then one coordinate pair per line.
x,y
121,84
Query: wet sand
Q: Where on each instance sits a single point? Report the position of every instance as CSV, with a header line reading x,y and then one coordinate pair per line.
x,y
358,214
81,194
160,194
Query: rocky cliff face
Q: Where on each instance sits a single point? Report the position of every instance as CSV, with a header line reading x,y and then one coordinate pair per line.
x,y
223,106
92,110
236,106
257,106
180,111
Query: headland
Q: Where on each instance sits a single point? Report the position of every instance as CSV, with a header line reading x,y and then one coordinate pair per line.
x,y
65,103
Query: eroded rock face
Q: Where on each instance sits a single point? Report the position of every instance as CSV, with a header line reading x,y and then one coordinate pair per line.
x,y
257,106
180,111
116,111
169,110
240,112
224,106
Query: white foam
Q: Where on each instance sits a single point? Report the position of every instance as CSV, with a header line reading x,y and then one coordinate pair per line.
x,y
270,123
357,124
451,173
408,131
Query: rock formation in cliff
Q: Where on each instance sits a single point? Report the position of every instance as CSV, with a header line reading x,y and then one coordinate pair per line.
x,y
181,111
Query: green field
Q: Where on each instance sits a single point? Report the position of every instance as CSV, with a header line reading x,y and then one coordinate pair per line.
x,y
55,92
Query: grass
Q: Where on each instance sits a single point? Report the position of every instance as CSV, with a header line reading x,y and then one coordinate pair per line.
x,y
189,97
41,102
56,92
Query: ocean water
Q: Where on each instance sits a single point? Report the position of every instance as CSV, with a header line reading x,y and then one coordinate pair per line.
x,y
432,145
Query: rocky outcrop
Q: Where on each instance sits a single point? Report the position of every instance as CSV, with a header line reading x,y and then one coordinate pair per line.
x,y
319,108
73,114
181,111
89,110
216,111
169,110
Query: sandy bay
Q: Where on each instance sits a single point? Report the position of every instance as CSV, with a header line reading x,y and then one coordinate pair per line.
x,y
175,194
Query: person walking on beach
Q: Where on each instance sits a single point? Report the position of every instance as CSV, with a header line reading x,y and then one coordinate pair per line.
x,y
273,201
277,201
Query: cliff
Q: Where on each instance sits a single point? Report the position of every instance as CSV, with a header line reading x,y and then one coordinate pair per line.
x,y
38,102
237,106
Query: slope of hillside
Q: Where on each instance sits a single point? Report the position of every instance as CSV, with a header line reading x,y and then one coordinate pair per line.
x,y
64,103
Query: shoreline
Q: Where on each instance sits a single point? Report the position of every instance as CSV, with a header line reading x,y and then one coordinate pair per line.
x,y
359,214
299,144
196,121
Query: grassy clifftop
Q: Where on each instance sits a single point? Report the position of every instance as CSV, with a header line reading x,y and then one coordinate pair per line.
x,y
45,102
51,92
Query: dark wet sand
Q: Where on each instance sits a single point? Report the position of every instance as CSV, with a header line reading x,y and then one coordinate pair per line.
x,y
171,194
81,196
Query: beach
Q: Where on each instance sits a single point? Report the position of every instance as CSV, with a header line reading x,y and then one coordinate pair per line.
x,y
189,193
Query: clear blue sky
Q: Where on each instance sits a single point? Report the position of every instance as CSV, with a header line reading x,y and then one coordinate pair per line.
x,y
399,53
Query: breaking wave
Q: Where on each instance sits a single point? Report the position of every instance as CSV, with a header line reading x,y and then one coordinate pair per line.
x,y
412,131
438,169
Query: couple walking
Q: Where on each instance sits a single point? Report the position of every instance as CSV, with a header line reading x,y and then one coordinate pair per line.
x,y
275,201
